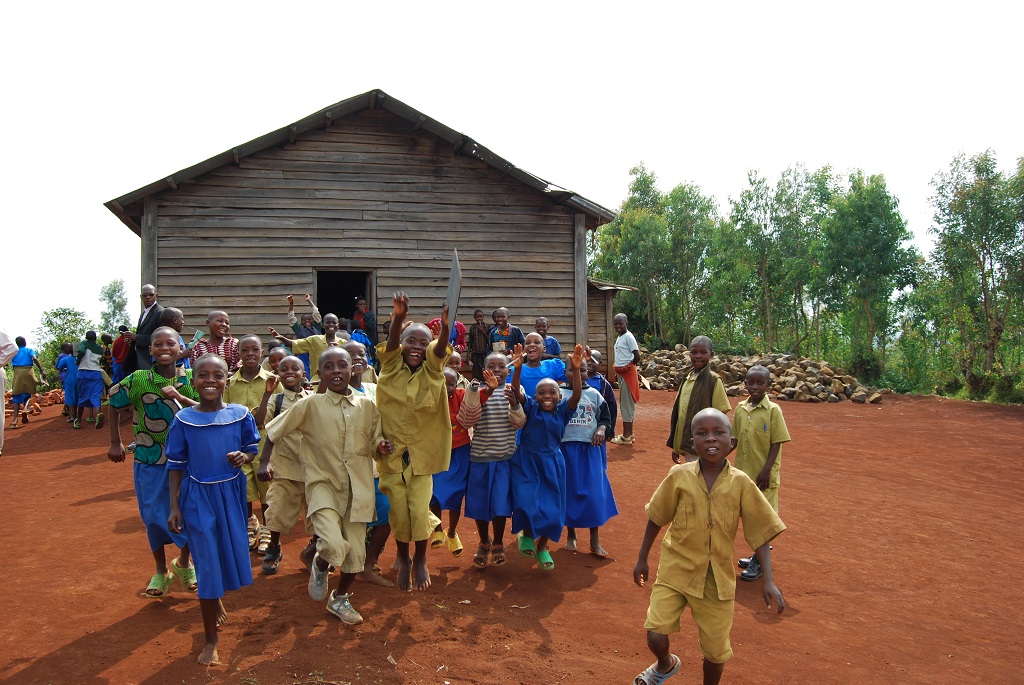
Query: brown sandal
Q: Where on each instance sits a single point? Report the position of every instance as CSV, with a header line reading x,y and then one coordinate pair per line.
x,y
497,555
480,558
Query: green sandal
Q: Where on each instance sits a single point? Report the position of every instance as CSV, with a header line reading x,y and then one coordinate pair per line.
x,y
544,560
526,546
159,585
186,576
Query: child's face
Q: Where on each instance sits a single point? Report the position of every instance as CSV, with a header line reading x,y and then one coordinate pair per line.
x,y
291,372
306,320
756,385
331,324
700,355
542,327
712,437
455,361
336,369
478,316
451,379
275,357
414,345
501,318
498,365
210,378
358,353
251,352
619,325
219,325
165,348
534,347
548,395
593,367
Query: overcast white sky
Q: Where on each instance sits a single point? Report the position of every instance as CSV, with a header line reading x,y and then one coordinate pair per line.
x,y
103,98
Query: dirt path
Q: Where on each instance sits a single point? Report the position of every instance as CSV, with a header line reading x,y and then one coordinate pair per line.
x,y
899,566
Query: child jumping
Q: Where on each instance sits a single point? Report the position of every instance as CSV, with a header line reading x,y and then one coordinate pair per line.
x,y
538,468
156,395
701,389
206,447
414,411
340,432
760,431
696,553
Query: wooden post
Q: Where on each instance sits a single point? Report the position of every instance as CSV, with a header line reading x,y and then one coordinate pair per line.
x,y
580,280
149,260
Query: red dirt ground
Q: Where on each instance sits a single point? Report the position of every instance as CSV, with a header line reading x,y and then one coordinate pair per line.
x,y
900,565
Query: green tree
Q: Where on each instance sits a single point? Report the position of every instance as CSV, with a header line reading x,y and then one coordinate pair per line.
x,y
115,311
58,326
864,257
690,220
752,214
979,216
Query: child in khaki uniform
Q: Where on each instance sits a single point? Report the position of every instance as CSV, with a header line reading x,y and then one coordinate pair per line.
x,y
691,498
246,387
760,431
286,495
340,433
413,404
701,389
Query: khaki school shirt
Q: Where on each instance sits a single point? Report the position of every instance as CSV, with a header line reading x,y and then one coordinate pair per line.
x,y
756,428
703,526
339,435
719,400
249,394
414,411
286,453
314,346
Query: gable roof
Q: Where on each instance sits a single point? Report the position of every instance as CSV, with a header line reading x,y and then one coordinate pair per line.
x,y
128,208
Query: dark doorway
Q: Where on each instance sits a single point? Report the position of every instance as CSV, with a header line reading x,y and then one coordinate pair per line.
x,y
336,291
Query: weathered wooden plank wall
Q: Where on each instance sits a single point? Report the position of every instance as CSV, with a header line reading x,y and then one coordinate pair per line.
x,y
369,193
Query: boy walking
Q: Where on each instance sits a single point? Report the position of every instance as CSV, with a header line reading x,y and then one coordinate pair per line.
x,y
688,575
627,356
760,431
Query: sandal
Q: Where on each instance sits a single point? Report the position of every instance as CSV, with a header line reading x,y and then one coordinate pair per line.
x,y
187,575
252,526
99,420
526,546
480,558
544,560
455,546
262,540
76,424
158,586
272,560
652,676
497,555
437,539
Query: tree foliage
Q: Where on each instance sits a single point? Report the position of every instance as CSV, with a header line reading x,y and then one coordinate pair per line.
x,y
115,310
58,326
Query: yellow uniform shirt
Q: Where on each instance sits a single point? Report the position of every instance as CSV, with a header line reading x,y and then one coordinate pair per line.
x,y
756,428
339,435
286,453
414,411
719,400
703,526
248,393
314,346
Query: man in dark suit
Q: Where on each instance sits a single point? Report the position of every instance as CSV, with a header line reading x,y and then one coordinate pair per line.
x,y
149,321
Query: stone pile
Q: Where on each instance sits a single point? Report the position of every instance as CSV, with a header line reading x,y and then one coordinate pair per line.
x,y
792,378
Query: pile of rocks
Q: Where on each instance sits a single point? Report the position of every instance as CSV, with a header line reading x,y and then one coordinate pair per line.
x,y
793,378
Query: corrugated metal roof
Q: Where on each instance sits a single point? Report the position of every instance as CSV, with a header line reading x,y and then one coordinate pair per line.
x,y
125,207
606,285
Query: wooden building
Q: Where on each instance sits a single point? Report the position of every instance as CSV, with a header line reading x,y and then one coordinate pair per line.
x,y
363,198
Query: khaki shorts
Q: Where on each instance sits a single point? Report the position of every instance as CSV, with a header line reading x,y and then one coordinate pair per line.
x,y
255,489
286,501
713,617
340,542
409,496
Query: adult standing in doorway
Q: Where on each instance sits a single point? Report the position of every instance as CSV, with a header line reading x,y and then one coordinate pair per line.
x,y
149,321
627,356
7,351
365,320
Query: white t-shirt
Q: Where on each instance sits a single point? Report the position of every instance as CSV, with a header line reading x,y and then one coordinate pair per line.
x,y
624,346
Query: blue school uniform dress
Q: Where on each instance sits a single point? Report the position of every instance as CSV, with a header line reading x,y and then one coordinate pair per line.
x,y
68,376
538,472
212,496
23,359
589,501
489,477
530,376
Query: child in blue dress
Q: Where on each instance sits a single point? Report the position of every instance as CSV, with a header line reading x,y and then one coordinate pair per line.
x,y
538,468
68,377
209,444
537,367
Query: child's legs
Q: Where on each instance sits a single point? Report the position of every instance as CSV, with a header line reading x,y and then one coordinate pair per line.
x,y
713,617
394,486
627,407
255,489
409,499
284,504
340,542
499,523
153,495
481,529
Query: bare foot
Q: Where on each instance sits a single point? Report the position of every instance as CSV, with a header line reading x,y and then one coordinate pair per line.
x,y
422,574
403,580
395,565
209,656
597,550
370,576
222,617
570,544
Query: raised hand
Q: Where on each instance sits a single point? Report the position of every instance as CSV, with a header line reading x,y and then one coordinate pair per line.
x,y
272,382
577,357
400,302
273,331
444,316
516,358
308,299
291,301
491,380
510,395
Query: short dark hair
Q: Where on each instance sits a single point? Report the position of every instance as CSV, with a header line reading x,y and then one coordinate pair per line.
x,y
759,370
122,328
20,341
